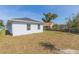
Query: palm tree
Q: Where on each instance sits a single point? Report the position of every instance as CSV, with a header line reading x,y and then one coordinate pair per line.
x,y
47,20
49,16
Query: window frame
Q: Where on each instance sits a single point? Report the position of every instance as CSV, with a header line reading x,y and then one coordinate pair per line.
x,y
39,26
28,26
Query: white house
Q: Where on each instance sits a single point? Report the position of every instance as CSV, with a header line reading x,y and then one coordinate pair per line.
x,y
22,26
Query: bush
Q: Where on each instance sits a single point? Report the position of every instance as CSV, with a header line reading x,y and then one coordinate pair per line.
x,y
55,27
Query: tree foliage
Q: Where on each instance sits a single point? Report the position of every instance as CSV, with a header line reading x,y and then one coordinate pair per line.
x,y
49,16
1,23
73,24
55,27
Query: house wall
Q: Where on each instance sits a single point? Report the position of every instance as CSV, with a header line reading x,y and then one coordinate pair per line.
x,y
21,28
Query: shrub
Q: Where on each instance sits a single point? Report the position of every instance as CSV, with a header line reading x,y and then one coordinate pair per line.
x,y
55,27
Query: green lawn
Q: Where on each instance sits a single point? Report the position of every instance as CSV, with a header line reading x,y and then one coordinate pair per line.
x,y
30,43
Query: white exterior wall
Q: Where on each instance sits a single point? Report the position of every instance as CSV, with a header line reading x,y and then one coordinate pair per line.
x,y
21,29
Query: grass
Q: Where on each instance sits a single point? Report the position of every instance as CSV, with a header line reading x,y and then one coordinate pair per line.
x,y
2,32
30,43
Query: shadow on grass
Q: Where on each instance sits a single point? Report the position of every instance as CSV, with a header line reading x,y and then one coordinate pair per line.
x,y
48,45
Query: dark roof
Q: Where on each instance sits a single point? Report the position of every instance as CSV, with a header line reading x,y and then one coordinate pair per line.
x,y
24,20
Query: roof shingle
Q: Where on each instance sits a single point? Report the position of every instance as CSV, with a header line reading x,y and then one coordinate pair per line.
x,y
28,20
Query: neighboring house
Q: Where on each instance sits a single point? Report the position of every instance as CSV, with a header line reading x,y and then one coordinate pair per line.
x,y
22,26
63,26
48,25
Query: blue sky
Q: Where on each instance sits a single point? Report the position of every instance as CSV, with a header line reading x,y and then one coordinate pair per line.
x,y
36,11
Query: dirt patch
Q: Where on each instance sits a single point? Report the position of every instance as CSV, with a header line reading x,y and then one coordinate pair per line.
x,y
68,51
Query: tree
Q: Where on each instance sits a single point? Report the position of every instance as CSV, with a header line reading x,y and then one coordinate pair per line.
x,y
69,24
1,23
73,24
49,16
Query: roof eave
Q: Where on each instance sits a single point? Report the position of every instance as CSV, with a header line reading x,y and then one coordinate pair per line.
x,y
11,21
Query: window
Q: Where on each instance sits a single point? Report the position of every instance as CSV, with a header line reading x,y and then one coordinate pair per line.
x,y
28,26
38,26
